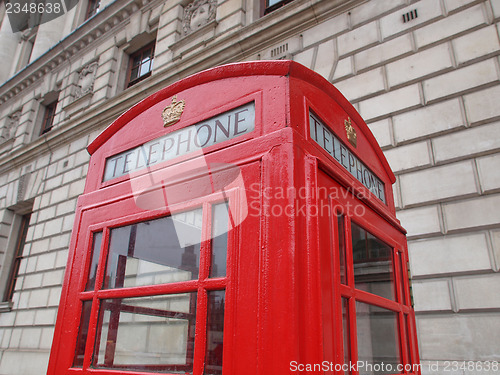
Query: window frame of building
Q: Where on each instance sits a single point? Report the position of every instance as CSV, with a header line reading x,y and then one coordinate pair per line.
x,y
48,117
92,8
18,219
17,257
138,56
266,8
100,286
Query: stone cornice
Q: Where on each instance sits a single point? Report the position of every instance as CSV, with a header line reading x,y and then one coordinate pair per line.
x,y
102,23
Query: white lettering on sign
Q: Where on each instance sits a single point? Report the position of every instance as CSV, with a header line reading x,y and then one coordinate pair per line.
x,y
331,144
220,128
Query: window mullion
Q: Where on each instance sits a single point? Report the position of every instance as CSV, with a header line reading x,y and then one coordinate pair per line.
x,y
91,336
200,340
206,242
94,318
351,302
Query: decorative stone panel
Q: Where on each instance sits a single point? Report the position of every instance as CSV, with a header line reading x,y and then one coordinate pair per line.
x,y
197,14
8,129
86,79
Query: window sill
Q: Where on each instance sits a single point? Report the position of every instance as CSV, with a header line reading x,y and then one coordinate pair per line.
x,y
5,306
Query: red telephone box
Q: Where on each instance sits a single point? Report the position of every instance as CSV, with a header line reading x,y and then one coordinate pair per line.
x,y
240,221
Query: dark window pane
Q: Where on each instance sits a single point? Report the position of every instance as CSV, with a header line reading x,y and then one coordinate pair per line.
x,y
93,8
377,339
96,250
373,271
341,244
346,332
220,223
147,333
48,118
134,73
146,55
136,60
407,331
82,334
141,64
159,251
215,332
18,256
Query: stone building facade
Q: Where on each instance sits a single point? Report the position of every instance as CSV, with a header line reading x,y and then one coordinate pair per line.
x,y
423,74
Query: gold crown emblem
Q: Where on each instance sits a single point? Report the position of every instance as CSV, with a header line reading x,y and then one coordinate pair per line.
x,y
172,113
351,132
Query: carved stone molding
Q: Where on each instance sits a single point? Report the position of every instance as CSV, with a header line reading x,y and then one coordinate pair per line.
x,y
197,14
86,79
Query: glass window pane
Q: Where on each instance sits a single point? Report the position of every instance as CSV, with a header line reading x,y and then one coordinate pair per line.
x,y
158,251
377,339
215,332
346,332
146,55
403,276
96,250
145,68
134,73
220,225
147,333
273,2
373,271
407,331
136,60
82,334
341,243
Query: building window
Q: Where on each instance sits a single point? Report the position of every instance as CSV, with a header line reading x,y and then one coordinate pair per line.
x,y
154,295
268,6
92,8
140,64
48,117
17,257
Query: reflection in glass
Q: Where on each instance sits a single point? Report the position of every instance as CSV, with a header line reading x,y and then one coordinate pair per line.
x,y
220,222
147,333
407,330
403,276
82,334
341,243
373,271
346,333
158,251
96,250
377,339
215,332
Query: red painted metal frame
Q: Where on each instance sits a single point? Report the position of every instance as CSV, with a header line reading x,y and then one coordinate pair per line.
x,y
401,303
275,285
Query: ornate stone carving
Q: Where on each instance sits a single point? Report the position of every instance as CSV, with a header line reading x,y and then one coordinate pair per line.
x,y
10,124
197,14
86,78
